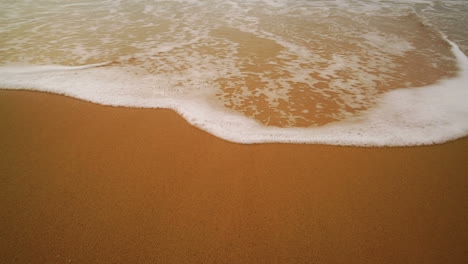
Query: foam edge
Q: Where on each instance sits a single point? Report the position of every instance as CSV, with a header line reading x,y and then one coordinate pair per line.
x,y
406,117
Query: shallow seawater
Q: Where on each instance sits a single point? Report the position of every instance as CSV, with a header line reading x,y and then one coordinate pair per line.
x,y
336,72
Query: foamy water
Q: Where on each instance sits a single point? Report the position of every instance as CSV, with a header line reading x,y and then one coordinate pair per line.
x,y
347,72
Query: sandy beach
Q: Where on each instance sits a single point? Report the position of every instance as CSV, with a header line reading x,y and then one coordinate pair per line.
x,y
86,183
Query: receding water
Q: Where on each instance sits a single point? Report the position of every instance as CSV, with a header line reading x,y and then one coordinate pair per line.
x,y
336,72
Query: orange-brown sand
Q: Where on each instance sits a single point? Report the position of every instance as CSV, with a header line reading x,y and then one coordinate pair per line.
x,y
85,183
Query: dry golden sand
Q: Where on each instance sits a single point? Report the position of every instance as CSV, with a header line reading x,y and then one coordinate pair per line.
x,y
85,183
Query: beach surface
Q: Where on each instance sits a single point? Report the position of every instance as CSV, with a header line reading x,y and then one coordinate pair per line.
x,y
86,183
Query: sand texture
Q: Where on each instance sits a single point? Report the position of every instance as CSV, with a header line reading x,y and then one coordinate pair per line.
x,y
85,183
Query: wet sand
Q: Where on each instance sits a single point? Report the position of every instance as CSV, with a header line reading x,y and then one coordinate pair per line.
x,y
85,183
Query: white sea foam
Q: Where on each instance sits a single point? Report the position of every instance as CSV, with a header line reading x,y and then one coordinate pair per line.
x,y
418,116
27,69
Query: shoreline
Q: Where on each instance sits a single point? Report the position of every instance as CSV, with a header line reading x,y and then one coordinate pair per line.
x,y
87,183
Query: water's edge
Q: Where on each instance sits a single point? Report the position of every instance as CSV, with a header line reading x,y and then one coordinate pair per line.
x,y
434,114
